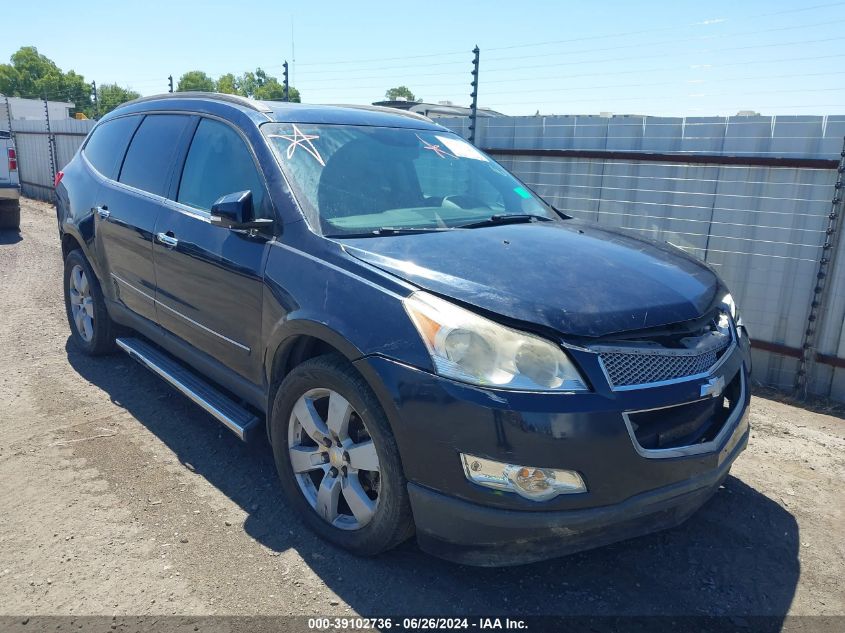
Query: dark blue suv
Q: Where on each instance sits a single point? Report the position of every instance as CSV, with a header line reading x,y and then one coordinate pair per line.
x,y
434,349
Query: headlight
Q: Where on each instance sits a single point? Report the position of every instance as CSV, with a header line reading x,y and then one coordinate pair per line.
x,y
730,305
470,348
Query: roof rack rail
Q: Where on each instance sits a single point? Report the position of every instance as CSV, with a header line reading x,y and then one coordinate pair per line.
x,y
217,96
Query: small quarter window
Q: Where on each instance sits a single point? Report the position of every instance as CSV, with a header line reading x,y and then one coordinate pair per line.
x,y
107,144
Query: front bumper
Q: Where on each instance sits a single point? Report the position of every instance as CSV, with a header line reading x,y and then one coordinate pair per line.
x,y
476,535
629,492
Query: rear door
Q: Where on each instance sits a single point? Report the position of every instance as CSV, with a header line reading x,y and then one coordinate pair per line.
x,y
209,278
127,210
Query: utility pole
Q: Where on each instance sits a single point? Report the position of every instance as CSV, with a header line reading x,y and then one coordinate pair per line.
x,y
170,79
96,100
474,94
287,83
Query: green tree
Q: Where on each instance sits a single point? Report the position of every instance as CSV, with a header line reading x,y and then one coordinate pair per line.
x,y
228,84
111,95
195,80
260,85
400,92
274,91
32,75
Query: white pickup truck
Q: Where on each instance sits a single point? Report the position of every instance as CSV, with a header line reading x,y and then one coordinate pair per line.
x,y
10,187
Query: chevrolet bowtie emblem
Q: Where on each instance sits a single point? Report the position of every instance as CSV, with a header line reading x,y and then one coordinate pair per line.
x,y
713,387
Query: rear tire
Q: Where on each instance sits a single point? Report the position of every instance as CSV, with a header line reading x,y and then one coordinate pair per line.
x,y
10,215
363,457
91,327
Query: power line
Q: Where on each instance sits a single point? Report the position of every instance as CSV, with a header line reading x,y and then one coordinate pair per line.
x,y
675,41
343,74
333,80
700,23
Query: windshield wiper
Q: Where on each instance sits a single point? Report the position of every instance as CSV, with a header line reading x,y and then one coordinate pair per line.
x,y
389,230
505,218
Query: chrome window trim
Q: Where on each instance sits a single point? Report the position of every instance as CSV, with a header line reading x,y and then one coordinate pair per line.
x,y
184,209
731,425
179,314
175,205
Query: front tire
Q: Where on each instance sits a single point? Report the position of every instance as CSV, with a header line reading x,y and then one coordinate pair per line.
x,y
91,328
337,458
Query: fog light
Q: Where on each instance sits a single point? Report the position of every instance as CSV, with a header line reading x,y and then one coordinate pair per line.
x,y
537,484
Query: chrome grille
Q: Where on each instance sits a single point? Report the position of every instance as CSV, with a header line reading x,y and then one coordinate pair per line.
x,y
634,366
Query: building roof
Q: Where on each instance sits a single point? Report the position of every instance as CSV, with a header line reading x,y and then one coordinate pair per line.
x,y
436,109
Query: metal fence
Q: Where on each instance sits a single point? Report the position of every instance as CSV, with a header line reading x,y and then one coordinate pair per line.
x,y
751,196
44,149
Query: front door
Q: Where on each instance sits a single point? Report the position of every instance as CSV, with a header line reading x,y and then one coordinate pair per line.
x,y
209,278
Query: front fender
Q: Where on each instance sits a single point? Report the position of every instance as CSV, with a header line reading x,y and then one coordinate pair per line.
x,y
287,331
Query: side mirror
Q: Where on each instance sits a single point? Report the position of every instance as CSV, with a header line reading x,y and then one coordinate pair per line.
x,y
235,211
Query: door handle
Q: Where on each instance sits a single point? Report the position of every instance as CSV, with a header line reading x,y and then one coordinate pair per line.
x,y
103,212
167,239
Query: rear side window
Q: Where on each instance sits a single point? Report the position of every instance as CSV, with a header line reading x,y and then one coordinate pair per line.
x,y
108,143
219,163
148,161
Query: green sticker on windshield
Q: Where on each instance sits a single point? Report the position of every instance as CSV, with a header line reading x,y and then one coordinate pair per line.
x,y
521,192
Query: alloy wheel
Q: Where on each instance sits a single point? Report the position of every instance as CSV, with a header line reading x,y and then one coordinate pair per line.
x,y
334,459
82,303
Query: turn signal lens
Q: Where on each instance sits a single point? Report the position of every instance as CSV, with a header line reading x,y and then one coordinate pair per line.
x,y
536,484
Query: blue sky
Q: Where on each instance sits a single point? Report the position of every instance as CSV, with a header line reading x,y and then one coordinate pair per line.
x,y
659,58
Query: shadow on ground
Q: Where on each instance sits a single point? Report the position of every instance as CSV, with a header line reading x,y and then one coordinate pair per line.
x,y
737,556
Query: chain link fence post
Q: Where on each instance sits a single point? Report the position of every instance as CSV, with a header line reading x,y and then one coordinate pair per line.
x,y
51,144
822,289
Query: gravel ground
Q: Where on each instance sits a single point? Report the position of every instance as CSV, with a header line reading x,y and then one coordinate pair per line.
x,y
119,496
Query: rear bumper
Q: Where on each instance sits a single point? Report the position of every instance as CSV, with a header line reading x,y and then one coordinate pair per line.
x,y
471,534
9,191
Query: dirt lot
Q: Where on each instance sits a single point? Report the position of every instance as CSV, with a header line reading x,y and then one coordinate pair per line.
x,y
119,496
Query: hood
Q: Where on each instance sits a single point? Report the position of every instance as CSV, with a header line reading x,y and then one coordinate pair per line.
x,y
571,276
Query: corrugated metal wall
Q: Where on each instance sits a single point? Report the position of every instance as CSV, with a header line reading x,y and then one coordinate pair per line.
x,y
33,145
761,228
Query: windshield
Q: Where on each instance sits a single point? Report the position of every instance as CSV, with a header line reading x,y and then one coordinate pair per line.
x,y
352,179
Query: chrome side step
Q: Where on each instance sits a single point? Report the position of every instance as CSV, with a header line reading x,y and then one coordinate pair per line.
x,y
235,417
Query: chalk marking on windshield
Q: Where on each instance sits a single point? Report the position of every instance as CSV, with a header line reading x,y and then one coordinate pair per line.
x,y
442,153
299,139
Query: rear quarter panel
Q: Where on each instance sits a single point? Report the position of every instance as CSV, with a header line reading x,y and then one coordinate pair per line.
x,y
75,199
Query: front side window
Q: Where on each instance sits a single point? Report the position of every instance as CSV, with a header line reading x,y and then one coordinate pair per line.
x,y
150,156
107,145
219,163
352,179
